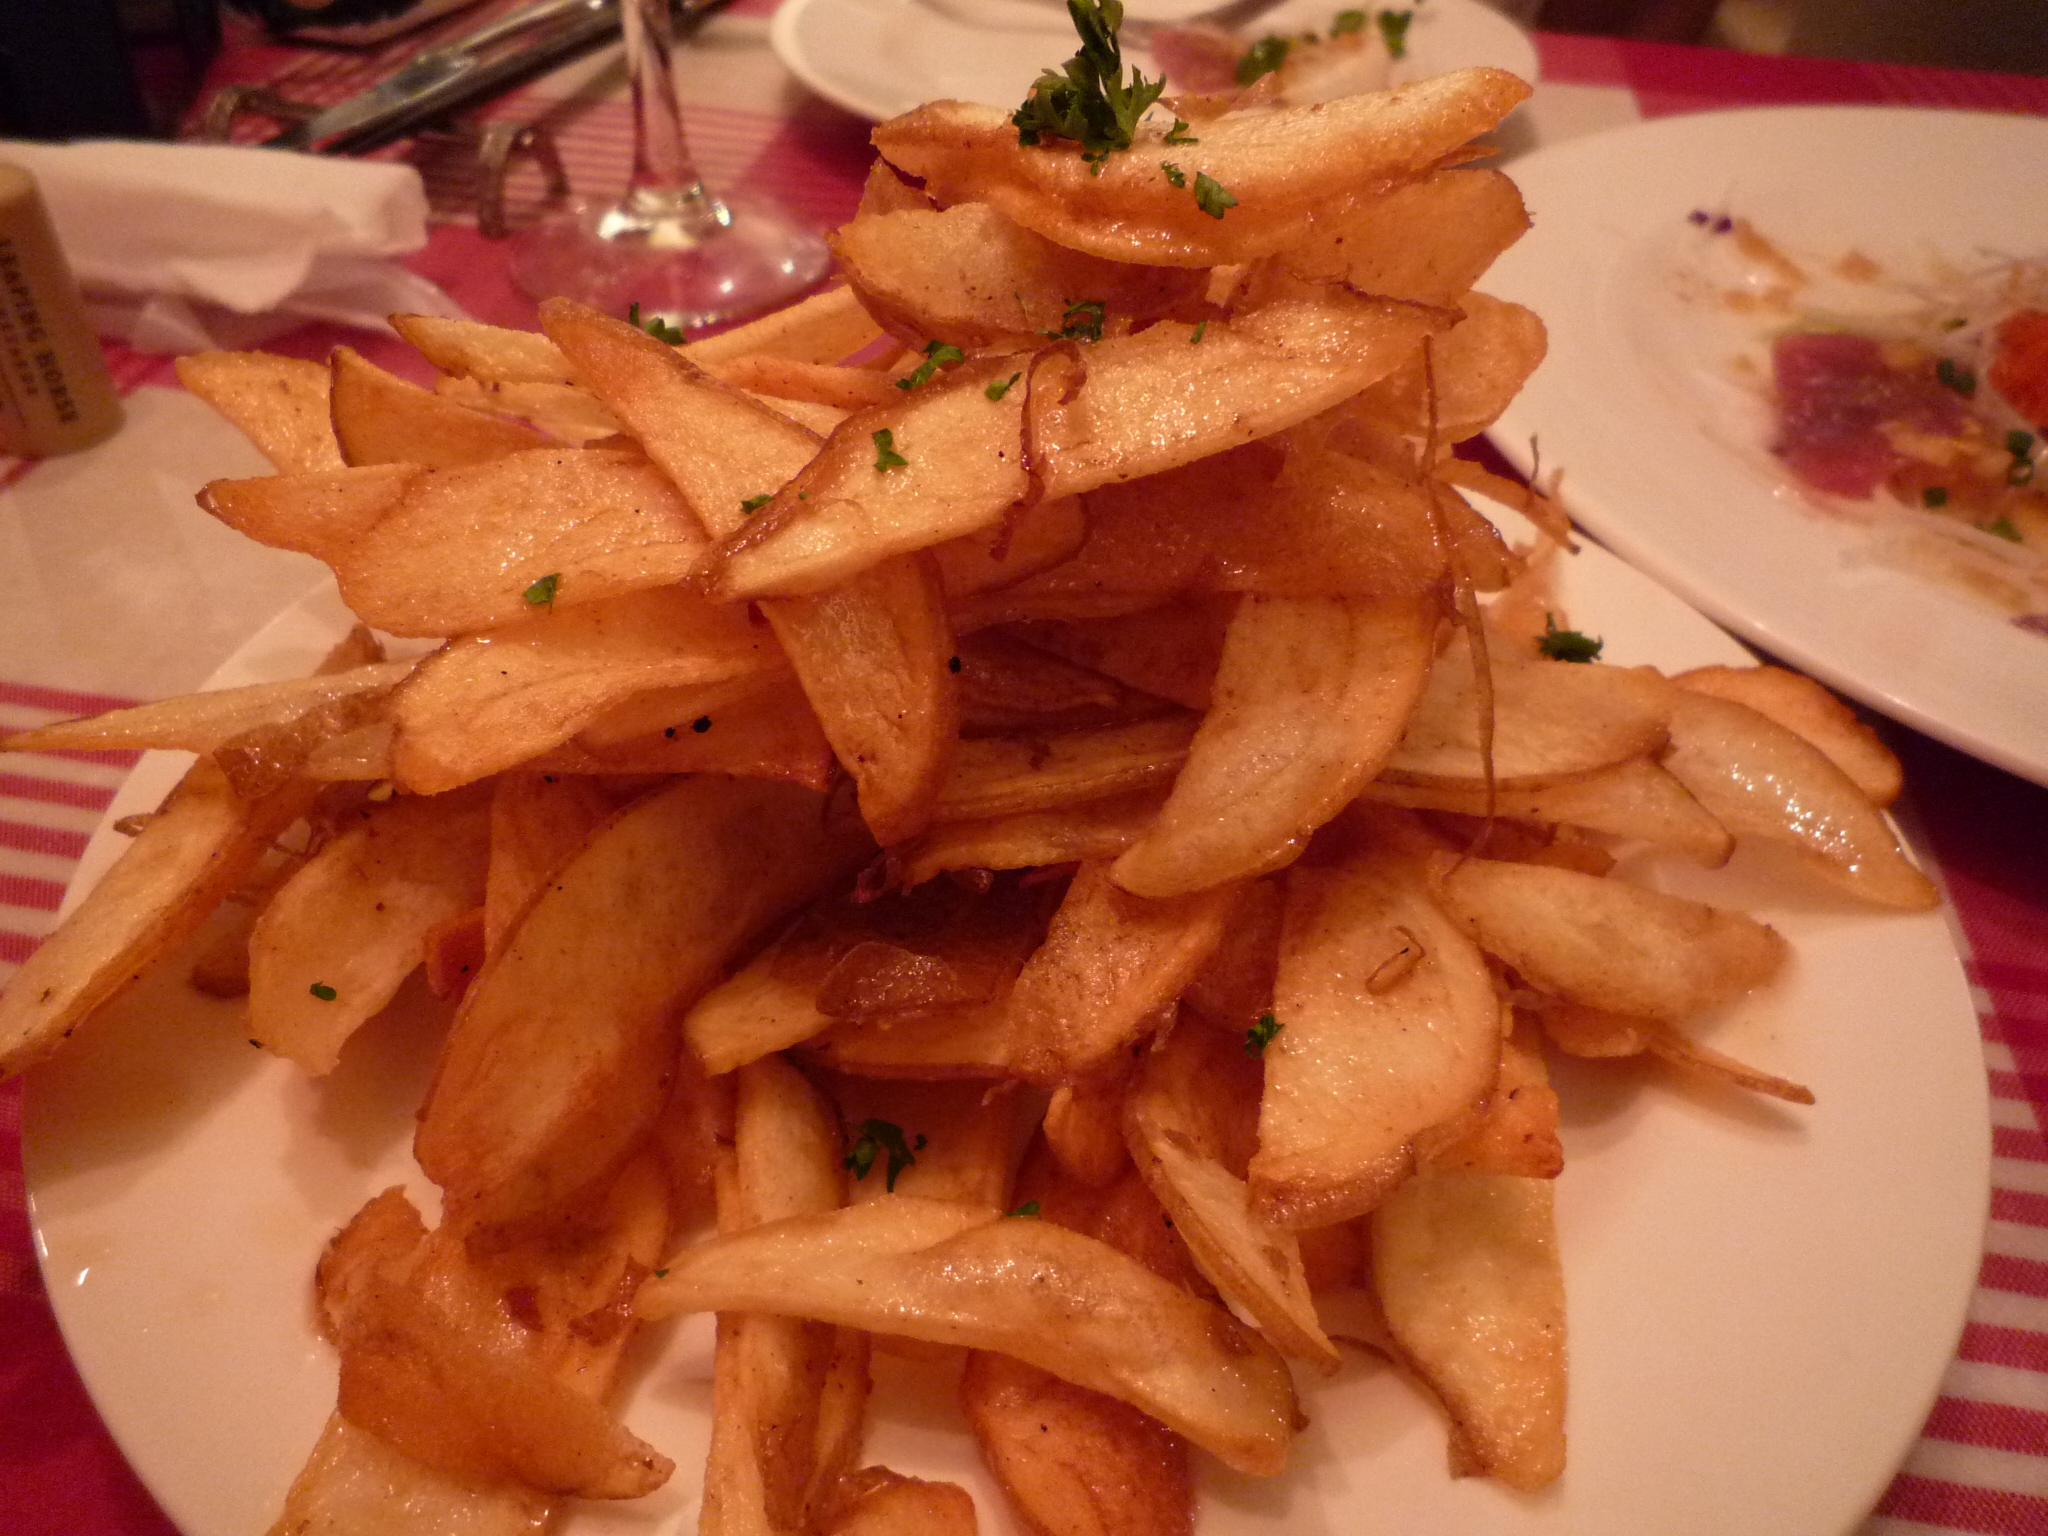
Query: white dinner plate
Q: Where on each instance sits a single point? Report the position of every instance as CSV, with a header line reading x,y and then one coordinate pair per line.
x,y
1762,1299
1667,464
882,57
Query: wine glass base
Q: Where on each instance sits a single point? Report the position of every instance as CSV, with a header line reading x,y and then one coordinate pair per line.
x,y
728,261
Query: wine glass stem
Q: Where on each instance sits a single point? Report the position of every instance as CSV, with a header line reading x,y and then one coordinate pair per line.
x,y
664,185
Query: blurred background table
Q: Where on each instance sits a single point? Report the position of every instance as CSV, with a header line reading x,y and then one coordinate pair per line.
x,y
106,556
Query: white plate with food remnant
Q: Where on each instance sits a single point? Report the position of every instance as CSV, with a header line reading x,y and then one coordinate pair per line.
x,y
1761,1299
881,57
1666,457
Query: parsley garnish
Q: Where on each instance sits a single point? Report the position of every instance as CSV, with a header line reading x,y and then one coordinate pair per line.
x,y
878,1136
324,992
1081,321
1195,340
1934,496
1262,58
1261,1034
701,724
661,1274
1087,100
756,503
1211,196
2002,528
937,355
1394,31
1028,1208
1567,644
1347,21
2019,444
1178,134
1961,380
1175,176
654,326
1001,387
542,593
886,456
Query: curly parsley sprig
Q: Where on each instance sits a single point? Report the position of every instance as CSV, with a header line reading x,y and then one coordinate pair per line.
x,y
1087,99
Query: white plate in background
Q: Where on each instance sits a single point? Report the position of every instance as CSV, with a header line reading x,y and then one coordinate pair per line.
x,y
1660,463
1762,1300
881,57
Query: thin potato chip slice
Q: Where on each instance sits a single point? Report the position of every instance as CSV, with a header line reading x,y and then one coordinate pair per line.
x,y
1804,707
959,1274
380,418
279,402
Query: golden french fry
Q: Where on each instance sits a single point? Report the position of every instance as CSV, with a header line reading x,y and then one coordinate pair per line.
x,y
1467,1272
1171,651
1096,829
538,822
1429,240
771,1376
474,548
778,380
1084,1129
380,418
1110,963
352,1481
192,853
1388,1024
492,701
971,277
1808,710
755,727
279,402
200,722
1474,371
1075,1462
824,328
490,354
1283,165
1762,780
1252,1262
1004,776
877,1502
1607,943
1514,1131
1007,685
1028,541
1551,720
592,980
334,943
1311,696
1635,799
961,1274
319,512
961,1137
564,412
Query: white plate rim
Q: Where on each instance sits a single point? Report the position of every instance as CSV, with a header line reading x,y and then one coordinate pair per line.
x,y
1574,284
1483,36
95,1284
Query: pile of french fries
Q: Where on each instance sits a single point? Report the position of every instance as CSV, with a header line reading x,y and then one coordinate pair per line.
x,y
1010,810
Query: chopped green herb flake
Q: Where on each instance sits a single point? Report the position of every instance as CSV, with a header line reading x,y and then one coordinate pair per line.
x,y
875,1138
1262,58
1961,380
886,456
1028,1208
1080,321
1088,100
542,593
1178,134
937,355
1211,196
2019,444
1261,1034
324,992
1346,22
1934,496
661,1274
1567,644
756,503
1175,176
1394,31
2002,528
701,724
654,326
1001,387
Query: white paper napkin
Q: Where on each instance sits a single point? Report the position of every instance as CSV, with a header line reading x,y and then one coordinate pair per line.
x,y
179,247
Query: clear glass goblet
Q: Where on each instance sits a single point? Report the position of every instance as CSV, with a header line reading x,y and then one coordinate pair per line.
x,y
682,254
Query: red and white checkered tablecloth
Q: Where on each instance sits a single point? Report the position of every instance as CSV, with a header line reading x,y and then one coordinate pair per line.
x,y
1981,1464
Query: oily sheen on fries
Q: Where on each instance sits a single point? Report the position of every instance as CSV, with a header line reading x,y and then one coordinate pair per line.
x,y
1017,789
